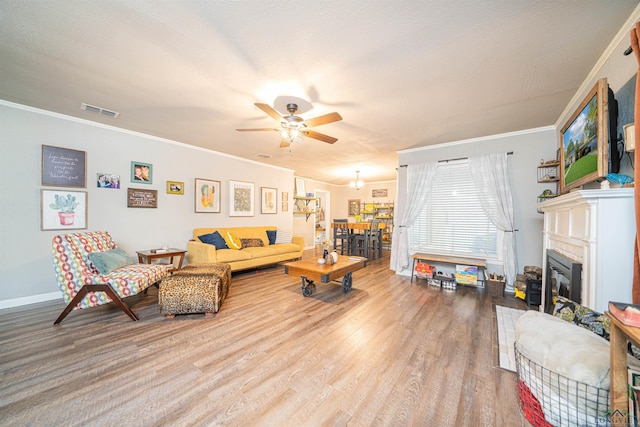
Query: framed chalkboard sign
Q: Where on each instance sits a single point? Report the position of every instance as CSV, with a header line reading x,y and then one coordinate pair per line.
x,y
64,167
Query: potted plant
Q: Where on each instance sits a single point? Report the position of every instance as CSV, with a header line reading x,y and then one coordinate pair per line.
x,y
67,207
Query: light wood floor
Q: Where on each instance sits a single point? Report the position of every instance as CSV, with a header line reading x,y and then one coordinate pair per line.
x,y
389,353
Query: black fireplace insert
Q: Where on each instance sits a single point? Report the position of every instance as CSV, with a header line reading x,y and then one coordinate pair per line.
x,y
564,278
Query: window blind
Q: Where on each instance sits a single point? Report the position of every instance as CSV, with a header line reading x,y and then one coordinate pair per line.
x,y
452,220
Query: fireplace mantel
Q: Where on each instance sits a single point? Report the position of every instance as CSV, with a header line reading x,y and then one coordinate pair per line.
x,y
595,228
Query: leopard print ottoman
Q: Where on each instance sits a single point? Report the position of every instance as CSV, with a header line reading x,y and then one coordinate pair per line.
x,y
196,288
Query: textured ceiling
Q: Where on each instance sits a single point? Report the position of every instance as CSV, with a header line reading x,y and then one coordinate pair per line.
x,y
402,74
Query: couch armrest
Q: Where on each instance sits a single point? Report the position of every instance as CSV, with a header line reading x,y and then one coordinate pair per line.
x,y
298,240
200,253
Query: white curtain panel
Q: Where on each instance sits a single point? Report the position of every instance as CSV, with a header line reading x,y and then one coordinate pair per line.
x,y
419,181
491,179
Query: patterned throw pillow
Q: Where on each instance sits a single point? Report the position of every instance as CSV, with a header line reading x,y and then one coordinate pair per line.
x,y
571,311
251,243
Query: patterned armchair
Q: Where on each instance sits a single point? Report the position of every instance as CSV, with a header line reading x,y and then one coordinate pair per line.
x,y
80,281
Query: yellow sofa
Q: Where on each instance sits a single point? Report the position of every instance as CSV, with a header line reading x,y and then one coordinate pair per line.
x,y
246,258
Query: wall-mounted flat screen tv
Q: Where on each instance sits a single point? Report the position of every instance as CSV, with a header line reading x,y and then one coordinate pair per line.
x,y
584,139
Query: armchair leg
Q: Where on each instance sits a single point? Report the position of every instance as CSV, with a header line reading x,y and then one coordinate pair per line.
x,y
95,288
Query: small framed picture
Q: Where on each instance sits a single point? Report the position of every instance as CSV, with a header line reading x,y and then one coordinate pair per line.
x,y
382,192
241,197
142,198
175,187
207,196
141,173
268,196
285,201
300,190
108,180
354,207
63,210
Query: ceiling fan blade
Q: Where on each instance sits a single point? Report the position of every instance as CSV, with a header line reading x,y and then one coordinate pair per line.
x,y
258,129
323,120
319,136
284,144
270,111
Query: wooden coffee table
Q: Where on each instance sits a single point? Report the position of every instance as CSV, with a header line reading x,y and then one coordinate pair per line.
x,y
309,270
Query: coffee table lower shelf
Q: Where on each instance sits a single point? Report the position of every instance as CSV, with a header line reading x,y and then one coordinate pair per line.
x,y
309,270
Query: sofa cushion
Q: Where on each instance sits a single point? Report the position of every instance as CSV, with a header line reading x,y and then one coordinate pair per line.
x,y
107,261
251,243
271,235
283,236
232,240
214,239
284,248
232,255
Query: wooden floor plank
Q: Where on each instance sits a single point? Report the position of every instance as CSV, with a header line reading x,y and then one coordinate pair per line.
x,y
388,353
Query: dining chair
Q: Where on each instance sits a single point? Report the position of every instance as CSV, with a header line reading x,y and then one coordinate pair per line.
x,y
341,235
368,243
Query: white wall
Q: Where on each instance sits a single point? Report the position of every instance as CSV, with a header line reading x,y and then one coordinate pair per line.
x,y
528,149
26,272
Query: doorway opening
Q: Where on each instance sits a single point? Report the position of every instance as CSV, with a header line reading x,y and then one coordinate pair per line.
x,y
323,216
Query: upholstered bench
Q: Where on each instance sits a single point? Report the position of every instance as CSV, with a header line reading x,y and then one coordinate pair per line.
x,y
196,288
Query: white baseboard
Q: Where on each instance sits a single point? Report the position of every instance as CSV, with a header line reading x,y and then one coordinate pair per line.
x,y
18,302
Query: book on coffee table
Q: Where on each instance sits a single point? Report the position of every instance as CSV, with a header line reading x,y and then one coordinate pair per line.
x,y
627,314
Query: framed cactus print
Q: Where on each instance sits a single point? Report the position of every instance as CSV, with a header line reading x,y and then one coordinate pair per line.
x,y
63,210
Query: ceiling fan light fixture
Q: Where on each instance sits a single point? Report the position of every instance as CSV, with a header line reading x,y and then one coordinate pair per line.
x,y
291,134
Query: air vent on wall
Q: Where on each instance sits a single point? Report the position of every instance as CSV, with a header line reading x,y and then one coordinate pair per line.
x,y
264,156
103,111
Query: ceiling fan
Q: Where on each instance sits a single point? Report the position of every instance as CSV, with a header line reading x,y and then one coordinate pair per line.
x,y
293,127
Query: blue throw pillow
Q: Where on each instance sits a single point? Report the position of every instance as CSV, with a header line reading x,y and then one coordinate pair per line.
x,y
271,235
108,261
214,239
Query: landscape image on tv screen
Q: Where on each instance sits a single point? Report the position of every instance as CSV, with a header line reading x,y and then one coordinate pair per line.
x,y
580,144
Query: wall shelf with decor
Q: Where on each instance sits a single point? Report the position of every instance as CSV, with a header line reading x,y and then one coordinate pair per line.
x,y
548,172
383,212
303,206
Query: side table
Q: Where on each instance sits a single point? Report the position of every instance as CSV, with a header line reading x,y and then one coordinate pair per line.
x,y
620,334
146,257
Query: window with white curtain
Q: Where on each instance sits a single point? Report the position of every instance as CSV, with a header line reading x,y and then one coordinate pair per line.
x,y
452,220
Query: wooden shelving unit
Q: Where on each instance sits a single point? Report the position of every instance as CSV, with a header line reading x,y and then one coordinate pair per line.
x,y
381,211
301,206
548,172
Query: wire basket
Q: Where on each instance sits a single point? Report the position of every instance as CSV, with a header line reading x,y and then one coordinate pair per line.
x,y
550,399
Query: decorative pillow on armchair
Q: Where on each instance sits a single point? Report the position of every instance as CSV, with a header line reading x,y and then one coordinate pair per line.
x,y
107,261
251,243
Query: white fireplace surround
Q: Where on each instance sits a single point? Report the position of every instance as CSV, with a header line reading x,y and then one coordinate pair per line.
x,y
597,229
